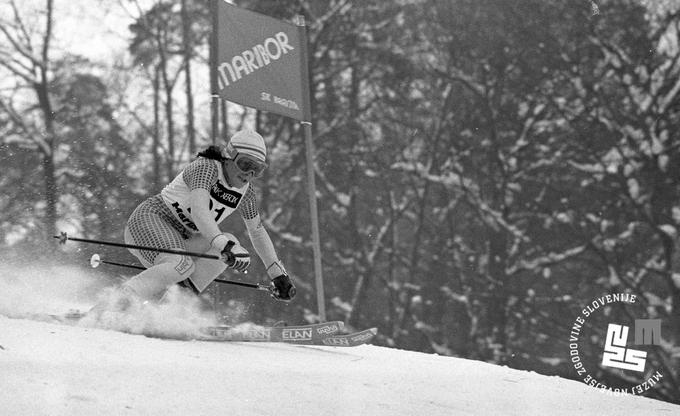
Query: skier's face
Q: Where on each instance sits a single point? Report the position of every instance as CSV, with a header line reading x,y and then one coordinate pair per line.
x,y
242,169
250,165
235,176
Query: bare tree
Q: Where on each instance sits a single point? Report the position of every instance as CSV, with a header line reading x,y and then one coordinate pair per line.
x,y
25,54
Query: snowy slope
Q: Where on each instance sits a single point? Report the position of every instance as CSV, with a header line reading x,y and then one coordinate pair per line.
x,y
50,369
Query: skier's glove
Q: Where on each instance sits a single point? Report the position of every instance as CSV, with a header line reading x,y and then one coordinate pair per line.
x,y
233,253
282,288
241,258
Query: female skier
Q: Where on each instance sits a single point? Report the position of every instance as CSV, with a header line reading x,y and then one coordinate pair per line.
x,y
186,214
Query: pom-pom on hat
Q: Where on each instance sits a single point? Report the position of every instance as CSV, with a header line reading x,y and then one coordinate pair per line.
x,y
248,142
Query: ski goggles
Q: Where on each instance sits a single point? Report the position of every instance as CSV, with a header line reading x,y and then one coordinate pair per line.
x,y
249,165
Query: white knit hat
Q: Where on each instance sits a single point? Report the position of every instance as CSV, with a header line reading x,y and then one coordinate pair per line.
x,y
248,142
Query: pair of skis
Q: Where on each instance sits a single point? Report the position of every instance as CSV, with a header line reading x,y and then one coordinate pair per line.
x,y
325,333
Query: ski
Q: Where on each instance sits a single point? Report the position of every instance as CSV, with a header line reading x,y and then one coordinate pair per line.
x,y
350,340
323,334
72,316
296,334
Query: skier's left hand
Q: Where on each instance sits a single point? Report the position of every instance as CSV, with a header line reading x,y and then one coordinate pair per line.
x,y
282,288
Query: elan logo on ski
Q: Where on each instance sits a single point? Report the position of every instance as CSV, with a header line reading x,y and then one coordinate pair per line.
x,y
297,334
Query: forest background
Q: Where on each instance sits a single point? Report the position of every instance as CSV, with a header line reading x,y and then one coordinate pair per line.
x,y
485,168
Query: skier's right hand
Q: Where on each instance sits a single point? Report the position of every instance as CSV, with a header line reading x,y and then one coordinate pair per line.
x,y
237,258
232,252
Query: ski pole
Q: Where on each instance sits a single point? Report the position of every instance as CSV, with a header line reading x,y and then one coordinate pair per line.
x,y
258,286
64,237
96,260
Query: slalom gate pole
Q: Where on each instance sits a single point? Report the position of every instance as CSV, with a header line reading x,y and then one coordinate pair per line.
x,y
64,237
96,260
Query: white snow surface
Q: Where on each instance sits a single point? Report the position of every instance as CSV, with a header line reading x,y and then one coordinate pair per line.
x,y
55,369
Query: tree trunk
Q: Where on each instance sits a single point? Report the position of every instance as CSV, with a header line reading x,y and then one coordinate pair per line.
x,y
170,162
42,90
186,32
47,162
168,86
156,129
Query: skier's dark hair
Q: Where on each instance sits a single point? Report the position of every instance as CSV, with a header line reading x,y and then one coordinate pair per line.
x,y
212,152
